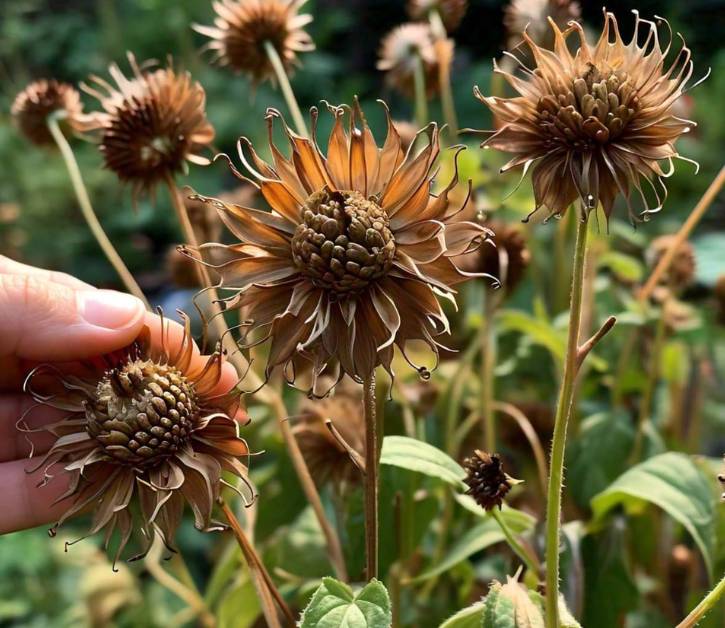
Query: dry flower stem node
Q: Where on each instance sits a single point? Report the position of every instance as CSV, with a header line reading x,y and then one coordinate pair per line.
x,y
596,124
145,431
151,125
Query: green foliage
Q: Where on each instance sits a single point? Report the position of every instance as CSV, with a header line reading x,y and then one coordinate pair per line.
x,y
415,455
335,605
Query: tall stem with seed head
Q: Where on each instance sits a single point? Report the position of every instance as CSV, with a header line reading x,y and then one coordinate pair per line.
x,y
87,209
371,477
286,88
561,420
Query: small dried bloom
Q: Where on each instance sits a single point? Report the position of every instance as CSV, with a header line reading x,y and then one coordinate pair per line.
x,y
486,480
407,46
681,272
597,124
533,17
145,431
327,458
507,261
242,27
353,256
451,11
40,99
151,124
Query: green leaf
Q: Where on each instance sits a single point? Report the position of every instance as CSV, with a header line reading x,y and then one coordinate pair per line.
x,y
334,605
239,607
672,482
625,267
599,454
478,538
470,617
538,331
415,455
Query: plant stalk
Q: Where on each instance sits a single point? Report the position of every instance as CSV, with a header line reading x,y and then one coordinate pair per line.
x,y
705,606
286,88
515,545
488,364
87,209
371,477
421,99
563,411
444,75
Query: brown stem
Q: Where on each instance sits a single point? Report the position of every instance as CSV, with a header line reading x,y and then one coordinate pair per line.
x,y
371,477
355,457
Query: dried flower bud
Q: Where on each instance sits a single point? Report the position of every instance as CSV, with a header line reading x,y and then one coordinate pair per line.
x,y
681,272
486,480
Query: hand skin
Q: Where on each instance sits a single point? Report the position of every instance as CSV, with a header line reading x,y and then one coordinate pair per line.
x,y
50,317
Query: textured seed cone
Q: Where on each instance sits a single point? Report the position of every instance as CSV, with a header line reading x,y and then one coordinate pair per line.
x,y
151,125
328,459
403,48
450,11
681,272
533,17
596,125
352,258
145,430
507,261
37,101
242,27
487,483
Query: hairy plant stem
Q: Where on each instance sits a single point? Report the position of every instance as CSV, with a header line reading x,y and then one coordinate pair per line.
x,y
705,606
371,477
87,209
444,75
520,551
262,581
421,99
286,88
488,364
561,420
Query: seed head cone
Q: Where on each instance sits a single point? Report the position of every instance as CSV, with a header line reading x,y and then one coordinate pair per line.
x,y
403,48
533,17
150,125
242,27
486,480
37,101
681,272
144,432
450,11
352,257
596,124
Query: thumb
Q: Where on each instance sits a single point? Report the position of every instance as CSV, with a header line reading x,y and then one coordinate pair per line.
x,y
43,320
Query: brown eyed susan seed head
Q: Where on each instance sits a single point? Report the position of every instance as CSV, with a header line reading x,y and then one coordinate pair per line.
x,y
597,124
151,125
355,253
241,28
43,98
451,11
486,480
145,431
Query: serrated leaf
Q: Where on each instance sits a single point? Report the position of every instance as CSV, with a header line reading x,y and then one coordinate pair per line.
x,y
470,617
334,605
672,482
415,455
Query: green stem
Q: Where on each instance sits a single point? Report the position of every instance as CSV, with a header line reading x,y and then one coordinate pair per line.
x,y
514,544
455,392
488,364
371,478
421,100
563,411
706,605
444,75
87,209
286,88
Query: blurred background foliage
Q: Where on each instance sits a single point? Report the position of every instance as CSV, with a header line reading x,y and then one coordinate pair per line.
x,y
40,224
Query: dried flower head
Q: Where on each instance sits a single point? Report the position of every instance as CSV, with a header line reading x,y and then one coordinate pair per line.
x,y
596,124
145,431
354,254
533,17
486,480
327,457
681,272
507,260
40,99
151,125
407,46
451,12
242,27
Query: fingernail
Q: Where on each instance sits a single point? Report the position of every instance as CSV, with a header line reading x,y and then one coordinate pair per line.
x,y
109,309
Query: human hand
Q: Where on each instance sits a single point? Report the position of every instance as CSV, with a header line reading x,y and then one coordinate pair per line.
x,y
49,317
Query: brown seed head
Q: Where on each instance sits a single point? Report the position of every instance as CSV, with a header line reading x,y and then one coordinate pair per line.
x,y
681,272
487,483
450,11
242,27
40,99
597,124
151,124
533,17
